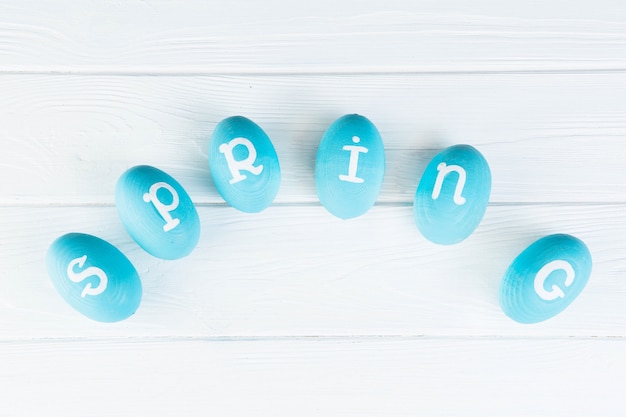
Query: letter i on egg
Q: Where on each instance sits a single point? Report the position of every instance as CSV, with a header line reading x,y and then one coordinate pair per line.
x,y
350,166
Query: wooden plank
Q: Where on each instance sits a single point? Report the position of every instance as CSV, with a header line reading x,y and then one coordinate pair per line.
x,y
292,312
548,137
299,271
324,36
348,377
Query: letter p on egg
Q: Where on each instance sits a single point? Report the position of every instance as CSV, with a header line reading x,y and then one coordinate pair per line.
x,y
163,209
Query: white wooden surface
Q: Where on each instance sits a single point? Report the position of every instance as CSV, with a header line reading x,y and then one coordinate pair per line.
x,y
291,311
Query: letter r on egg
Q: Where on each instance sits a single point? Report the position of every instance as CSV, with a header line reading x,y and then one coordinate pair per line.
x,y
246,164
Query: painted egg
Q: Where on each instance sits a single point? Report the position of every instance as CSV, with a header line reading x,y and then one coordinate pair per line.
x,y
244,164
545,278
157,212
94,277
350,166
452,196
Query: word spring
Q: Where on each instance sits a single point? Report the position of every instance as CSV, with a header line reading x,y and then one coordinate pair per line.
x,y
450,202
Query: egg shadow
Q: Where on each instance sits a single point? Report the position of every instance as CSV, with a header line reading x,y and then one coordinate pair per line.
x,y
197,166
297,143
405,165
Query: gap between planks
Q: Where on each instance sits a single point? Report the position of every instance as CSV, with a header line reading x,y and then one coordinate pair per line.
x,y
237,72
300,338
305,204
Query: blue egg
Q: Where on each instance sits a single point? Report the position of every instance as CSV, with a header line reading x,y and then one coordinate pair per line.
x,y
350,166
452,196
545,278
244,164
157,212
94,277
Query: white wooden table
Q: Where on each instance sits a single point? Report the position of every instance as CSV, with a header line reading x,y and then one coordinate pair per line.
x,y
292,312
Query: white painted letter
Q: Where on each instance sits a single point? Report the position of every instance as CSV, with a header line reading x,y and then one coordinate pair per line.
x,y
354,161
164,210
445,170
546,270
91,271
245,164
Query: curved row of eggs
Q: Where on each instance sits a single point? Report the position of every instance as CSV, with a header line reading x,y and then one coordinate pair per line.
x,y
450,201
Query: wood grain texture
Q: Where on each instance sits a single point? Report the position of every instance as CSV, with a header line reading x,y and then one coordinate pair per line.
x,y
248,36
291,311
548,137
299,271
354,377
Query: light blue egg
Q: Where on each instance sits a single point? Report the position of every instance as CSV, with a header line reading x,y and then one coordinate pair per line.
x,y
452,195
157,212
545,278
350,166
94,277
244,164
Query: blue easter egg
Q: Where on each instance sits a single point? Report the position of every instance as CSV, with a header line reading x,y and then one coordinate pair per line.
x,y
545,278
157,212
94,277
452,196
350,166
244,164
